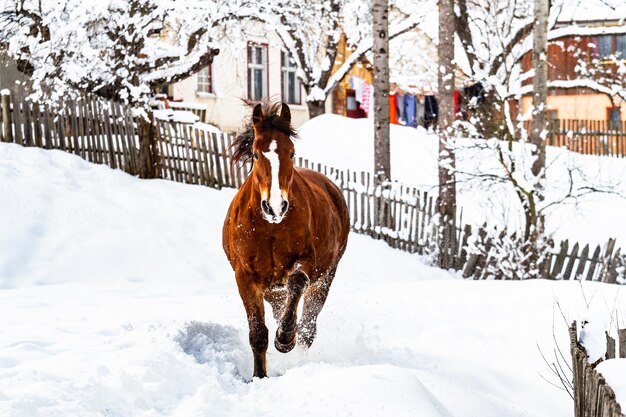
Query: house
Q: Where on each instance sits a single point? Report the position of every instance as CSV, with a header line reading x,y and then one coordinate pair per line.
x,y
343,97
260,67
257,68
596,37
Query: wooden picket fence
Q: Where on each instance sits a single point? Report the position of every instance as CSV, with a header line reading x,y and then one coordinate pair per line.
x,y
593,397
190,154
103,132
107,133
604,263
590,137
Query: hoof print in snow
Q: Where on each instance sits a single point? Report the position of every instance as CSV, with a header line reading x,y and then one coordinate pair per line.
x,y
215,345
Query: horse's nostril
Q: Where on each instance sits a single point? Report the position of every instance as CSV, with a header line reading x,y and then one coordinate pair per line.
x,y
266,207
283,207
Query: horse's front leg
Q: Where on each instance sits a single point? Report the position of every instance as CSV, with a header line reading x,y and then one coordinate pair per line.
x,y
314,300
252,298
297,282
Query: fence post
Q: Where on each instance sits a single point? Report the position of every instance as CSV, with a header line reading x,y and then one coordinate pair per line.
x,y
7,122
577,376
610,346
146,145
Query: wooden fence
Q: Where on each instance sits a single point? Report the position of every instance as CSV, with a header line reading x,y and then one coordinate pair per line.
x,y
604,263
99,131
591,137
107,133
593,397
190,154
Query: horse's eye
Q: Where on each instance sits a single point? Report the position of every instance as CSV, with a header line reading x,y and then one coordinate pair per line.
x,y
292,155
256,156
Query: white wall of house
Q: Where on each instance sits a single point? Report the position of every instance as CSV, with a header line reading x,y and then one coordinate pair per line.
x,y
230,83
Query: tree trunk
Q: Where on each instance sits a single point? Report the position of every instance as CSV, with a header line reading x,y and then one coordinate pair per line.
x,y
316,108
540,92
382,162
382,157
535,226
446,204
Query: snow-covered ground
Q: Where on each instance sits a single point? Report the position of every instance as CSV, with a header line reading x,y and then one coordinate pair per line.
x,y
594,218
116,300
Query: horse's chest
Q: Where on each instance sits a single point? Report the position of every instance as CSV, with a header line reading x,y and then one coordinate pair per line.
x,y
271,254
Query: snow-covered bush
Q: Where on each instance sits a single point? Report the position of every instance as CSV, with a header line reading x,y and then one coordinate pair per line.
x,y
509,256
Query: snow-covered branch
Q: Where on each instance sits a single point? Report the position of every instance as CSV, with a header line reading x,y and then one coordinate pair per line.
x,y
365,46
119,50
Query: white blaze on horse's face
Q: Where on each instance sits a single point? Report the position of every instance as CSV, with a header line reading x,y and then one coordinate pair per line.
x,y
274,207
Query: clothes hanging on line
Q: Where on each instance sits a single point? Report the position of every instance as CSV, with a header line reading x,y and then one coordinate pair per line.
x,y
474,94
393,117
409,110
431,110
366,98
356,84
419,111
399,105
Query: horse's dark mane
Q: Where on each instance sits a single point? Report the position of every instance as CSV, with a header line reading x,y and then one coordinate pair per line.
x,y
242,145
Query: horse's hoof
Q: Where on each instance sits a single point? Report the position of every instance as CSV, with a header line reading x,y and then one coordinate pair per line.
x,y
287,346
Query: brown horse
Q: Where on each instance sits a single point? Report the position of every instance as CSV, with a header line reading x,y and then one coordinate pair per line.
x,y
284,234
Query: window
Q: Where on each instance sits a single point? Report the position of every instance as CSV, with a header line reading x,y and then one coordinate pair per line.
x,y
205,81
553,114
615,117
291,83
620,46
257,71
605,46
610,45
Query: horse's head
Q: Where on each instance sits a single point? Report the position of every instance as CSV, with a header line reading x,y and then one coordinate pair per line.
x,y
273,153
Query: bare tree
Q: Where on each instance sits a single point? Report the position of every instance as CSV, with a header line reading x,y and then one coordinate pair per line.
x,y
382,163
446,204
539,128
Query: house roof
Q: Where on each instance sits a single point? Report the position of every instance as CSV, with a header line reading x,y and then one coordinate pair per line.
x,y
592,11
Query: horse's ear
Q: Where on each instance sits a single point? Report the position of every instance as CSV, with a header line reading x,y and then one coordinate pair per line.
x,y
285,113
257,114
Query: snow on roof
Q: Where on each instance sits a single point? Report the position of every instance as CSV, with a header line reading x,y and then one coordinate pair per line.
x,y
188,105
176,116
592,11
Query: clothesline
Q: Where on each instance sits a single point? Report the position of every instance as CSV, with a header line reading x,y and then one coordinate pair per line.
x,y
406,108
